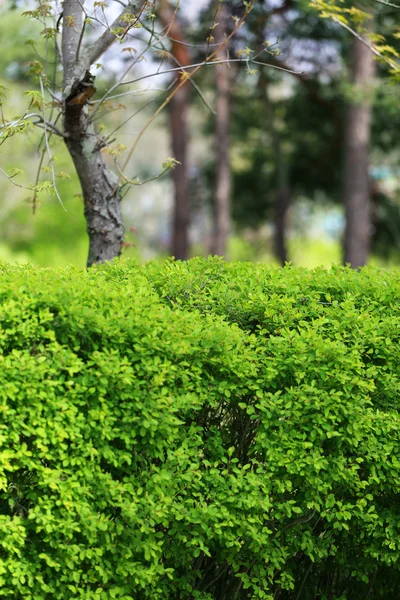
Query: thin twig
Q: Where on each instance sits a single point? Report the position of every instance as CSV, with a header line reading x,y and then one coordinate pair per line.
x,y
131,92
121,82
108,38
391,64
138,182
10,178
143,107
192,83
172,19
49,152
209,64
34,204
218,574
43,124
387,3
182,83
78,49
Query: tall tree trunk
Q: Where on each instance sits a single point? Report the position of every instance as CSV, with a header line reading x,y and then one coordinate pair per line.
x,y
178,119
282,204
99,186
178,125
356,189
282,195
222,193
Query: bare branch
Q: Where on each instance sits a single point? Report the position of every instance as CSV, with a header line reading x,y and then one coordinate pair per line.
x,y
205,63
106,40
46,125
120,81
391,64
143,107
34,199
169,15
11,179
49,154
131,93
387,3
184,80
78,49
41,120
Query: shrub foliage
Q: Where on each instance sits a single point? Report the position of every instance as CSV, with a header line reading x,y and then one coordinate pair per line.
x,y
199,430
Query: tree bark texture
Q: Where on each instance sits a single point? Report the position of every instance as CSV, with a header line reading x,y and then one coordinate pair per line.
x,y
356,188
222,193
178,126
100,188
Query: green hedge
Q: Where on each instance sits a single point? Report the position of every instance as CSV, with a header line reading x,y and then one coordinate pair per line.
x,y
199,430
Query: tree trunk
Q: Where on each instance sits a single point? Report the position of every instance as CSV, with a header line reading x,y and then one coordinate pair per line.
x,y
100,187
178,124
356,189
222,194
282,204
178,119
282,196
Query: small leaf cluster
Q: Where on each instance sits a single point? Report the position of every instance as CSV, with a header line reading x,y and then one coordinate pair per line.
x,y
199,430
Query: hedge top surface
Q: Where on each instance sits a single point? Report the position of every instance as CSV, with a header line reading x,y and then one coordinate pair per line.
x,y
199,430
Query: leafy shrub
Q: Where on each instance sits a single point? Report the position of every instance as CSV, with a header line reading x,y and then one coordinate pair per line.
x,y
199,430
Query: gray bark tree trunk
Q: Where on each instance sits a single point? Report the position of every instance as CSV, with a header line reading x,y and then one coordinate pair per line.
x,y
222,192
100,189
356,188
101,196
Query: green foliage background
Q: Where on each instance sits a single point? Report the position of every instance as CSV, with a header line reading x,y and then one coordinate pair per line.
x,y
51,236
199,430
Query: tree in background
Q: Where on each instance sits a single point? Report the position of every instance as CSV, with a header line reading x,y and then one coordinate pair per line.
x,y
282,186
101,188
286,123
179,131
367,46
222,189
66,109
311,120
357,134
290,137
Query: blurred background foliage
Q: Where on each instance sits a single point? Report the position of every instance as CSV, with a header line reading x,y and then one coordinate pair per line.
x,y
304,112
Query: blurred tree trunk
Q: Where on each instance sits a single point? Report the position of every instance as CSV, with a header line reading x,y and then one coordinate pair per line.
x,y
356,188
282,193
222,191
282,196
178,125
282,204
